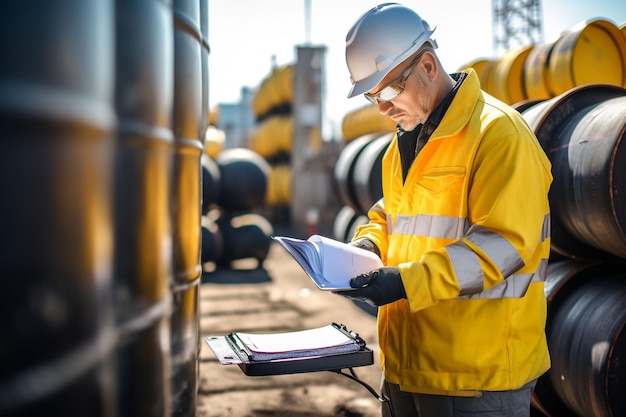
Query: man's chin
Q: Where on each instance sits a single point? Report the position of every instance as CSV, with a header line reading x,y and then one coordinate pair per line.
x,y
406,125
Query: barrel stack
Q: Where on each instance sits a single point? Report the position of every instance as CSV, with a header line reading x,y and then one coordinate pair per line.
x,y
102,112
582,132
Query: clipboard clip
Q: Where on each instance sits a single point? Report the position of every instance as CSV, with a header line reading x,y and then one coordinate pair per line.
x,y
238,347
352,334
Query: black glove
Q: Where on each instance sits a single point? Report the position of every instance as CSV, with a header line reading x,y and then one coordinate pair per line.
x,y
376,288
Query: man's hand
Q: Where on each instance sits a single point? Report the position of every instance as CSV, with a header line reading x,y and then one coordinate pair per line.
x,y
367,245
376,288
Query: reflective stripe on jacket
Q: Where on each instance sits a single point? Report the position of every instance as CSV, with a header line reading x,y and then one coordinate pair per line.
x,y
470,232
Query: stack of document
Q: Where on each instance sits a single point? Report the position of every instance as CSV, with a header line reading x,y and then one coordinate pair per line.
x,y
328,262
332,339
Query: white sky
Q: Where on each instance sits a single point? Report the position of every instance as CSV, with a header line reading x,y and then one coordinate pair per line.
x,y
244,35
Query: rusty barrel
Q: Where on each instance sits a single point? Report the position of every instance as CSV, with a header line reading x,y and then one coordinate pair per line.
x,y
189,122
56,163
582,133
143,271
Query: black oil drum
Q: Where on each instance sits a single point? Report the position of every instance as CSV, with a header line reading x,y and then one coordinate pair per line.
x,y
212,246
244,178
342,222
587,340
581,131
57,125
210,183
343,170
189,122
368,173
204,51
244,235
589,168
143,270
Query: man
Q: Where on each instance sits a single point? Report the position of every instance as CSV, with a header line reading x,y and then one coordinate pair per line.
x,y
463,230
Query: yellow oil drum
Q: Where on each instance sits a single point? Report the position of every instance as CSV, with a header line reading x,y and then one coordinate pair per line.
x,y
255,142
591,52
365,120
483,67
508,80
274,91
279,185
537,80
260,139
214,140
263,99
283,84
487,78
272,136
261,102
214,115
284,133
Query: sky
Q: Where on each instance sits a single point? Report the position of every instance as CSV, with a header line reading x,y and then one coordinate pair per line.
x,y
248,37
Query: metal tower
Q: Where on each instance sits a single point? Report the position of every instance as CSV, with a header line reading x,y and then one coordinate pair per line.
x,y
516,23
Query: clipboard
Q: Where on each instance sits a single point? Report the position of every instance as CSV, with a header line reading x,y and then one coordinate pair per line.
x,y
229,350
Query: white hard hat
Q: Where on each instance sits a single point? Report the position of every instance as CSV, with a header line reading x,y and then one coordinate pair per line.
x,y
380,40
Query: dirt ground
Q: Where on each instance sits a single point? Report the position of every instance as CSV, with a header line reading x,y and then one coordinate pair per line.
x,y
279,297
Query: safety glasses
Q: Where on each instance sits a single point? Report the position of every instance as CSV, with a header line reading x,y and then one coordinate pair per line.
x,y
396,88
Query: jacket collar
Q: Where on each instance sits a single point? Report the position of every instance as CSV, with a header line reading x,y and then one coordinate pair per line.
x,y
434,119
462,105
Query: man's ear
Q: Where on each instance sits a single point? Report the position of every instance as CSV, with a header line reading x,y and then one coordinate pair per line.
x,y
429,62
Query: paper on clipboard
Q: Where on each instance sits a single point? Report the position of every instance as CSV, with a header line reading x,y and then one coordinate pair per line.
x,y
240,347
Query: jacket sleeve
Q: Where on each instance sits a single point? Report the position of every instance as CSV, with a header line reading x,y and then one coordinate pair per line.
x,y
376,229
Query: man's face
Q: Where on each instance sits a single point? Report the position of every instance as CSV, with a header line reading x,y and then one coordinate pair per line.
x,y
413,105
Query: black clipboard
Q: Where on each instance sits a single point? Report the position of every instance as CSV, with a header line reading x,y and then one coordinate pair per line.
x,y
228,352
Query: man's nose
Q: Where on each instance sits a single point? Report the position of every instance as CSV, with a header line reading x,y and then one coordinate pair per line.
x,y
384,106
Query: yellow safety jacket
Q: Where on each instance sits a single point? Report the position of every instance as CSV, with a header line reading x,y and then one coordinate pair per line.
x,y
470,232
